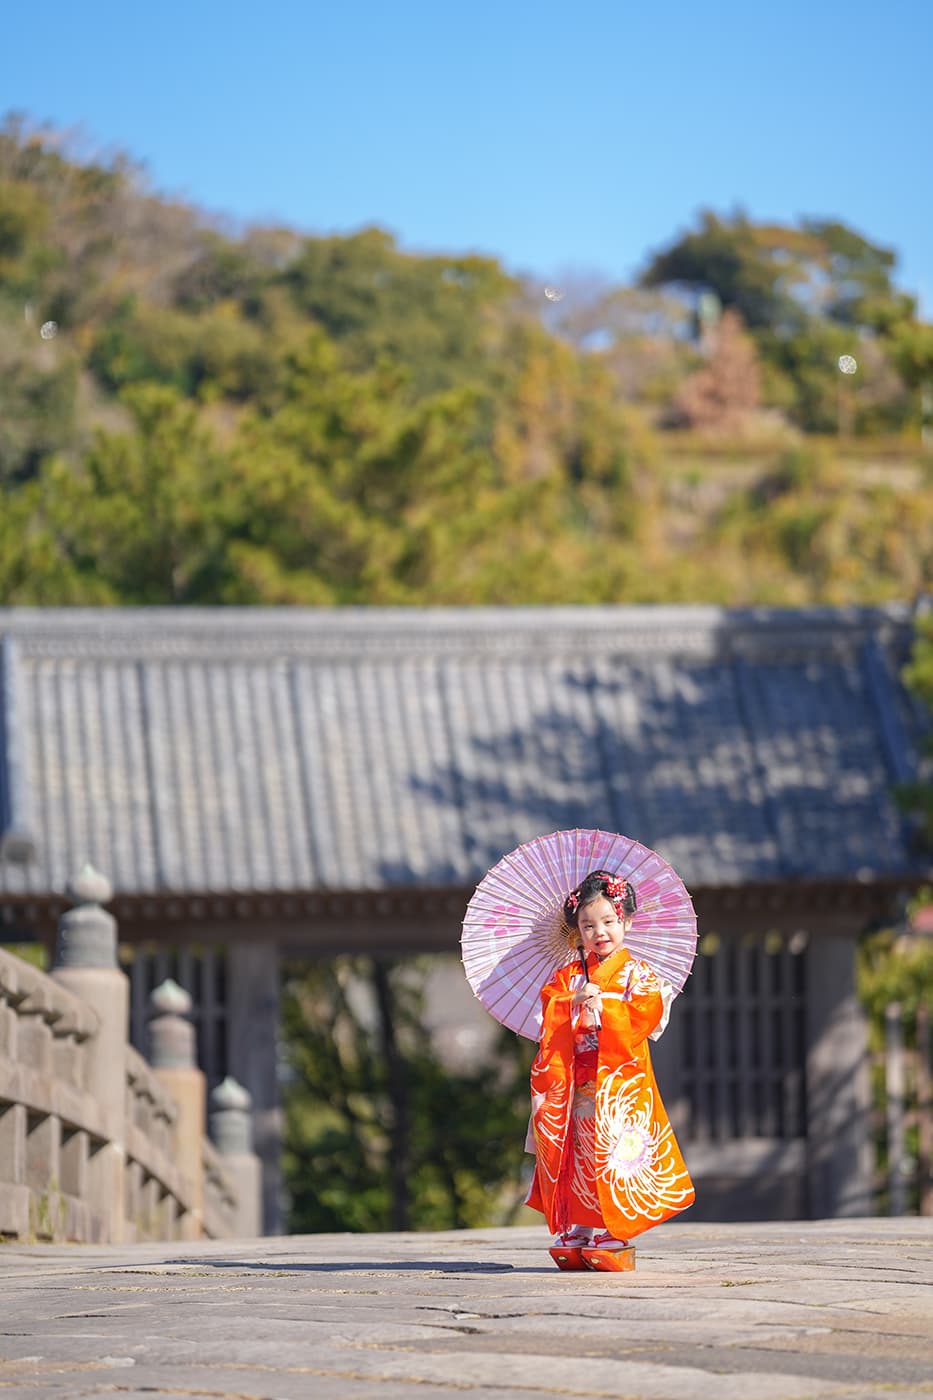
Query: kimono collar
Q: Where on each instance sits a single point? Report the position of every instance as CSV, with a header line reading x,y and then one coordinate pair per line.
x,y
605,971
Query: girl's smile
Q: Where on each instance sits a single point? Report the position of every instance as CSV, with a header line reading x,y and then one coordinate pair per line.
x,y
601,930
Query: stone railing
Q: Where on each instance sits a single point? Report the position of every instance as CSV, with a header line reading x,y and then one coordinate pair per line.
x,y
97,1144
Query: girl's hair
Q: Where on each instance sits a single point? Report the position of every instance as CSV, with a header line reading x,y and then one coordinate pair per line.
x,y
600,883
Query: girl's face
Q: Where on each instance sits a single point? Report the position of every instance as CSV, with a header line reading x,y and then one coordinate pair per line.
x,y
601,930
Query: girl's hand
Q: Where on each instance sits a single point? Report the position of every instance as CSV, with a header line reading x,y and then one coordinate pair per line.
x,y
589,996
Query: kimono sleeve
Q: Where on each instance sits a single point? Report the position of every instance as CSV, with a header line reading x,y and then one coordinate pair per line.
x,y
667,996
648,1007
556,999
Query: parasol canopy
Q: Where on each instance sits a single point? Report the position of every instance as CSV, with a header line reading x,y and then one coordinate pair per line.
x,y
514,935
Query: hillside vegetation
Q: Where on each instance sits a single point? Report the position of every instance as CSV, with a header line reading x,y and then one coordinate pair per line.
x,y
195,414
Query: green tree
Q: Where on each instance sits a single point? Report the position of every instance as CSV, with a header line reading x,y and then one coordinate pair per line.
x,y
273,418
804,536
440,318
379,1133
337,486
38,401
912,351
777,276
808,364
895,966
808,295
849,279
753,268
140,520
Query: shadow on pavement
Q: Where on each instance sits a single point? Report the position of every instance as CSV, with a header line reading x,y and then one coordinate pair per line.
x,y
379,1266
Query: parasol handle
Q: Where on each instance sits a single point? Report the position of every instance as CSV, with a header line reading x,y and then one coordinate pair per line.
x,y
597,1019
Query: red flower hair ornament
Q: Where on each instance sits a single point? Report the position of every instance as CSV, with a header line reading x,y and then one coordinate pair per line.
x,y
616,890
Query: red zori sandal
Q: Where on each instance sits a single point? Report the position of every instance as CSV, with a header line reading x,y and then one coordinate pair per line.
x,y
606,1254
567,1250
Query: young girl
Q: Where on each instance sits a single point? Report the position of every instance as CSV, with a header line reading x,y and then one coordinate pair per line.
x,y
608,1165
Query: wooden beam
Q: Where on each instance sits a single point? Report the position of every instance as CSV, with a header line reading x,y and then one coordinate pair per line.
x,y
413,919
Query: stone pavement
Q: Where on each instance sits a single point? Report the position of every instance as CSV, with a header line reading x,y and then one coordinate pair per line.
x,y
717,1312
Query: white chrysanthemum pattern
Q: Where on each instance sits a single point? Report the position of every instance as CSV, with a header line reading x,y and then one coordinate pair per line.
x,y
636,1155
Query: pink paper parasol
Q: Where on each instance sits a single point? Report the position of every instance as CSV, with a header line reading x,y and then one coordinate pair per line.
x,y
514,936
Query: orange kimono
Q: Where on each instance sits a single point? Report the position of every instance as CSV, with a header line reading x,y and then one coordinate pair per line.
x,y
606,1152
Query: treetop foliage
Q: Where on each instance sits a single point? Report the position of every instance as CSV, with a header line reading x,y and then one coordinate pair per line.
x,y
194,413
778,277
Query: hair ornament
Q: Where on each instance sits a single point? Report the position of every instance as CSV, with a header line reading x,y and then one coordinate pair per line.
x,y
573,899
616,889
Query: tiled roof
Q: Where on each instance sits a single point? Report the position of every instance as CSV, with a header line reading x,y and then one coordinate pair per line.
x,y
301,749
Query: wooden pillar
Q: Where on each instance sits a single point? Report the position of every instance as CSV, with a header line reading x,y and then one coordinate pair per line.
x,y
252,1057
838,1087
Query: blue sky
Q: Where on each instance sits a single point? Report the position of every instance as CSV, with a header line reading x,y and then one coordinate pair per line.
x,y
575,136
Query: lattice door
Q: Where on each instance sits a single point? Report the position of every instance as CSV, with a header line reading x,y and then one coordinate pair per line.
x,y
743,1039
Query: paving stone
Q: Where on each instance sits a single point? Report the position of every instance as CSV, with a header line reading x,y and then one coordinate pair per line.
x,y
785,1311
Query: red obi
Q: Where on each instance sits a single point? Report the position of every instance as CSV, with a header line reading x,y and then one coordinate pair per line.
x,y
585,1063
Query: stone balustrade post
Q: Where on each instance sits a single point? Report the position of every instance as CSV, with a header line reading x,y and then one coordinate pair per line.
x,y
173,1057
231,1129
86,965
